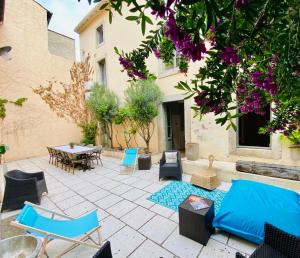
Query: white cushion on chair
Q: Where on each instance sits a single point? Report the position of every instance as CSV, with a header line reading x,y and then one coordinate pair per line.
x,y
171,157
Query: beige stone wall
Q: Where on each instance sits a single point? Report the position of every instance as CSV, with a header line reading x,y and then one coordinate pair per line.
x,y
30,129
61,45
212,138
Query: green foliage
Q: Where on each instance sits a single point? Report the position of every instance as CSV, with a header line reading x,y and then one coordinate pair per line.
x,y
3,102
255,30
292,138
89,131
143,98
104,105
167,50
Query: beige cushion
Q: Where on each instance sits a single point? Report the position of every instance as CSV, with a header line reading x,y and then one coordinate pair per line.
x,y
171,157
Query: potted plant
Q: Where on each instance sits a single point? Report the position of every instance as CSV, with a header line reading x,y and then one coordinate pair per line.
x,y
3,149
143,98
292,138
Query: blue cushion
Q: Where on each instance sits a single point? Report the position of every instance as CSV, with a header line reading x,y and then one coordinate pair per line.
x,y
249,205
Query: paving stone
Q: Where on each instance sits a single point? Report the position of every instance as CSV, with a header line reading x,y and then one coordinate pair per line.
x,y
108,201
216,249
153,188
150,250
110,185
95,196
121,208
87,190
130,180
144,202
182,246
162,210
133,194
80,209
72,201
175,217
110,225
241,245
62,196
125,241
220,236
137,217
141,184
121,189
158,228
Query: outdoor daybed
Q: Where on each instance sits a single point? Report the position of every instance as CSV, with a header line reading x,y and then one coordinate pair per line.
x,y
249,205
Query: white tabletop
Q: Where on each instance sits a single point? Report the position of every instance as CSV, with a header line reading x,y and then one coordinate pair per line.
x,y
76,150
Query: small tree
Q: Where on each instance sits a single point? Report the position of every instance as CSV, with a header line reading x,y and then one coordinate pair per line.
x,y
104,104
123,118
143,98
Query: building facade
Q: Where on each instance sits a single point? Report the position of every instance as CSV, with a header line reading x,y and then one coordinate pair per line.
x,y
175,125
38,55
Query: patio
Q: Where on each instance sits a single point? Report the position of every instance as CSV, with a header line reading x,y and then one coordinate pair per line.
x,y
135,226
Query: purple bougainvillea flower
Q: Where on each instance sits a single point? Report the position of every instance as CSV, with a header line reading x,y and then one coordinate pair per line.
x,y
156,53
229,56
265,81
139,74
240,3
183,41
125,63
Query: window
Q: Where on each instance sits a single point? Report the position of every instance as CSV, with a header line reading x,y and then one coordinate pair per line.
x,y
172,66
248,126
102,72
100,35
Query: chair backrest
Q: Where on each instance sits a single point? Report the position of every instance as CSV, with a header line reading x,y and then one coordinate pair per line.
x,y
281,241
17,174
130,156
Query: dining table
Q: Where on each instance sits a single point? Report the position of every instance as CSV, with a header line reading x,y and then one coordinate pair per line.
x,y
78,150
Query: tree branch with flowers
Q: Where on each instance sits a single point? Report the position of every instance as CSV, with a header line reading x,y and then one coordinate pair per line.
x,y
251,50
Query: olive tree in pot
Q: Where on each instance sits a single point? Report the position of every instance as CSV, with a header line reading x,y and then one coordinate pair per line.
x,y
143,98
104,105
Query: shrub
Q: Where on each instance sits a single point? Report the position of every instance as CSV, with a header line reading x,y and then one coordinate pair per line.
x,y
104,105
89,131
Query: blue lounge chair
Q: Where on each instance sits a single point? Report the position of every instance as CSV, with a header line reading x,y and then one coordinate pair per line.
x,y
73,230
130,158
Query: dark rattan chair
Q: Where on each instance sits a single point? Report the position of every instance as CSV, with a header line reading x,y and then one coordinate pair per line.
x,y
170,169
277,244
21,187
104,251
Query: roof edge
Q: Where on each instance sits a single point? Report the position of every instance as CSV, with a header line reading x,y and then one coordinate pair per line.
x,y
90,15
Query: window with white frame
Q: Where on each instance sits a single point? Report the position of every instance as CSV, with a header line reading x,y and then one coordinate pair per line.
x,y
171,67
102,72
100,34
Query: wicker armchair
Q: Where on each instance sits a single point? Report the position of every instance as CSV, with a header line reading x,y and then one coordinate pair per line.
x,y
104,252
277,244
170,169
21,187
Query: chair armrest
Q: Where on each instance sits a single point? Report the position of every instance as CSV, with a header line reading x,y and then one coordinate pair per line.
x,y
239,255
162,161
37,175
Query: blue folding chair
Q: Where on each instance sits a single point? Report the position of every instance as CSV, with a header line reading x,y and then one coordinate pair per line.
x,y
73,230
130,158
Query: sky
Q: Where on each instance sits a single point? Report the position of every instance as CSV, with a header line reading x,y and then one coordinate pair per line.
x,y
66,15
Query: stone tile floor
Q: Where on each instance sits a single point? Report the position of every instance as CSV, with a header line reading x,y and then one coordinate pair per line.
x,y
135,226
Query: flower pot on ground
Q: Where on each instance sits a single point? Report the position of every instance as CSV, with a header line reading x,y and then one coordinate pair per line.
x,y
192,151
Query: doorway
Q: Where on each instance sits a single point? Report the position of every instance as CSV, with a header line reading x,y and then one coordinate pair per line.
x,y
175,133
